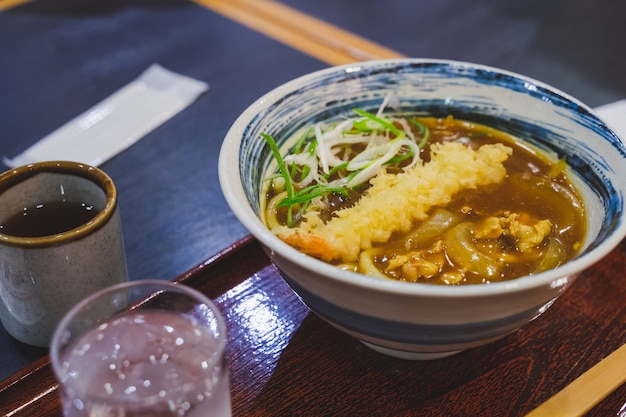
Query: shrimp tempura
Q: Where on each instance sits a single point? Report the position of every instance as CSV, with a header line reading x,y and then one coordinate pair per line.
x,y
395,202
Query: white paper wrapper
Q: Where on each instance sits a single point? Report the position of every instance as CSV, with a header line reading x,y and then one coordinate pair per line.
x,y
118,121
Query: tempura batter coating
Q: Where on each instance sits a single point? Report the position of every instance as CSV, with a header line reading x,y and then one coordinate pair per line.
x,y
395,202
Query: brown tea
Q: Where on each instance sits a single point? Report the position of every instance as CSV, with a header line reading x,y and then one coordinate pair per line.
x,y
46,219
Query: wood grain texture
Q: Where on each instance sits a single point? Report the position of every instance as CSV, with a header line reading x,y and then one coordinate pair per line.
x,y
284,360
588,389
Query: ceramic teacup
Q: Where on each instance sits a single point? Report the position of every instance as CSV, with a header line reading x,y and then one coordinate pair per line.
x,y
60,240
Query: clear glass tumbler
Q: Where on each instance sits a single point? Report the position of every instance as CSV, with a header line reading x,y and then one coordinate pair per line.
x,y
142,348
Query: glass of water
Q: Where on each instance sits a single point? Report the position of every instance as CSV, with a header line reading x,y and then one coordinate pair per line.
x,y
142,348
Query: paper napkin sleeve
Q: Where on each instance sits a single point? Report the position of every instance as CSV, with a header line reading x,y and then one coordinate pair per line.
x,y
118,121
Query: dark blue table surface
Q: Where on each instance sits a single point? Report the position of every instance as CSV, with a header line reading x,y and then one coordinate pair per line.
x,y
60,57
578,46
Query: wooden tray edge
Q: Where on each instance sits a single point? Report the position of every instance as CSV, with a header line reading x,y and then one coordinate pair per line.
x,y
32,391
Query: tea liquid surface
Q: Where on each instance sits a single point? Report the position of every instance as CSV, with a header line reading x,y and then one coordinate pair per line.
x,y
48,218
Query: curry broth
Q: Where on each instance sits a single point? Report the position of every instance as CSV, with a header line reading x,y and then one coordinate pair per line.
x,y
535,192
530,187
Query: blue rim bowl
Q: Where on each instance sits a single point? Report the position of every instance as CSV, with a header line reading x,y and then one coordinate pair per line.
x,y
421,321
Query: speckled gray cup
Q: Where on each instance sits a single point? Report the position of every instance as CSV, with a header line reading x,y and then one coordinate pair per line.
x,y
42,277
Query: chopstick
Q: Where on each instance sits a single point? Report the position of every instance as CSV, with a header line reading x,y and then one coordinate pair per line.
x,y
582,394
7,4
303,32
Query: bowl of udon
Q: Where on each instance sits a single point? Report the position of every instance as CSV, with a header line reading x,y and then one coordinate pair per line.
x,y
425,207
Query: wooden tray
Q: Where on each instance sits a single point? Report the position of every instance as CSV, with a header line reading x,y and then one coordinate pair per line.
x,y
285,361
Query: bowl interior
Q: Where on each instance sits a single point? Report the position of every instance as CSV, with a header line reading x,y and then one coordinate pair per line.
x,y
530,110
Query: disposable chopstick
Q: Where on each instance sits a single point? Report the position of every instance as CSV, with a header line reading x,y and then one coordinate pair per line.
x,y
587,390
303,32
7,4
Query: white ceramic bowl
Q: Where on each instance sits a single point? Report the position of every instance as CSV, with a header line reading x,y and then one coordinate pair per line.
x,y
421,321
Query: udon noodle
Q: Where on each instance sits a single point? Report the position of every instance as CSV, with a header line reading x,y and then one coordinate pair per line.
x,y
428,200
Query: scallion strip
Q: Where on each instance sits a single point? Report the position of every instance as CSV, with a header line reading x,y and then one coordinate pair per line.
x,y
283,169
309,193
423,129
383,122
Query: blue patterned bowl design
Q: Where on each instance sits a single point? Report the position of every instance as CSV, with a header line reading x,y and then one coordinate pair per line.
x,y
419,321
